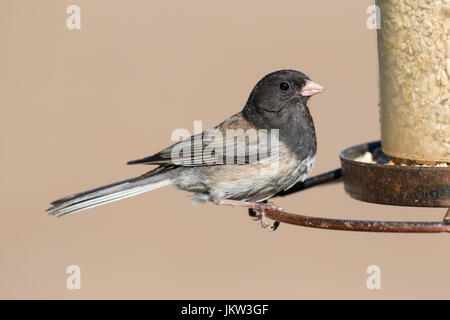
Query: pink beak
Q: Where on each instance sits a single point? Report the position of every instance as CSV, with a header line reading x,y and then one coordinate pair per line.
x,y
310,89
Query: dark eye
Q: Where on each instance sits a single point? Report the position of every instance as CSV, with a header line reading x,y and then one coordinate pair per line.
x,y
284,86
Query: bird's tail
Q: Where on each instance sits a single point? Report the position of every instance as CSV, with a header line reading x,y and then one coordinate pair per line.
x,y
154,179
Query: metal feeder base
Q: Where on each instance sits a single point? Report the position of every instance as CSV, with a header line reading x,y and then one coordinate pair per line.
x,y
413,186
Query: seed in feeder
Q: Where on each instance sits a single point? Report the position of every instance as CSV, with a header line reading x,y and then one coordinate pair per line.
x,y
414,71
366,158
448,66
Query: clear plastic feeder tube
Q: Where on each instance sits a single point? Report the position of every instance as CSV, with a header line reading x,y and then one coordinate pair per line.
x,y
414,71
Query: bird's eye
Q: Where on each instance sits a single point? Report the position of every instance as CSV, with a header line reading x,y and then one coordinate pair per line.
x,y
284,86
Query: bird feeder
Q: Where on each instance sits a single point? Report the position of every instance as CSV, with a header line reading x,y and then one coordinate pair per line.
x,y
414,70
410,166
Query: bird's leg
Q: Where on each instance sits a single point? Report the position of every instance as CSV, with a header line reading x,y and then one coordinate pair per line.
x,y
255,210
256,214
265,224
237,203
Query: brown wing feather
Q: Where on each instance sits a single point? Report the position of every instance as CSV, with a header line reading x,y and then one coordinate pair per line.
x,y
214,146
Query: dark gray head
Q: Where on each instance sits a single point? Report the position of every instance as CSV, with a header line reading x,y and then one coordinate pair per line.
x,y
278,96
278,101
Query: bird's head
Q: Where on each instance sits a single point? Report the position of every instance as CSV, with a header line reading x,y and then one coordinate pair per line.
x,y
279,95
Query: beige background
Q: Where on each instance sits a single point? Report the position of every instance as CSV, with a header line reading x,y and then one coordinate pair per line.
x,y
76,105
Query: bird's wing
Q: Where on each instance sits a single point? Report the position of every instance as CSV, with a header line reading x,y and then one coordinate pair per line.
x,y
234,141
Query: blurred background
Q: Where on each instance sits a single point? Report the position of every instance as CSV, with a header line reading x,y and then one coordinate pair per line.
x,y
75,105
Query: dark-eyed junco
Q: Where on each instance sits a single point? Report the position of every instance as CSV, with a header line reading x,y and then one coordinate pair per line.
x,y
251,156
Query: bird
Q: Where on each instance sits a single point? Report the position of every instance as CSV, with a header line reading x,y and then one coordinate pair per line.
x,y
272,145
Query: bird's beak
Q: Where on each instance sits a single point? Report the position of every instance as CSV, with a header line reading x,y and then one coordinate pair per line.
x,y
310,89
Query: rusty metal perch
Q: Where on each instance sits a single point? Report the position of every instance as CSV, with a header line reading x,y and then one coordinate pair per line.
x,y
279,215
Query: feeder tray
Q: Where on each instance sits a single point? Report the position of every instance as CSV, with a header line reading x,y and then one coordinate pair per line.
x,y
379,183
415,186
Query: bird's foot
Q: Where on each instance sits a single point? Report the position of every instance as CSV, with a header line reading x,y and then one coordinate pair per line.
x,y
256,211
259,213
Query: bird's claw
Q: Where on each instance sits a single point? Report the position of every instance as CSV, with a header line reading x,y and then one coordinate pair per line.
x,y
254,214
260,214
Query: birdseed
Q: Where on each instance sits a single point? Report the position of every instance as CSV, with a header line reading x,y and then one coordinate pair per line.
x,y
414,72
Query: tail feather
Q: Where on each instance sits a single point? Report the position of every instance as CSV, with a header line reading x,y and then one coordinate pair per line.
x,y
153,180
